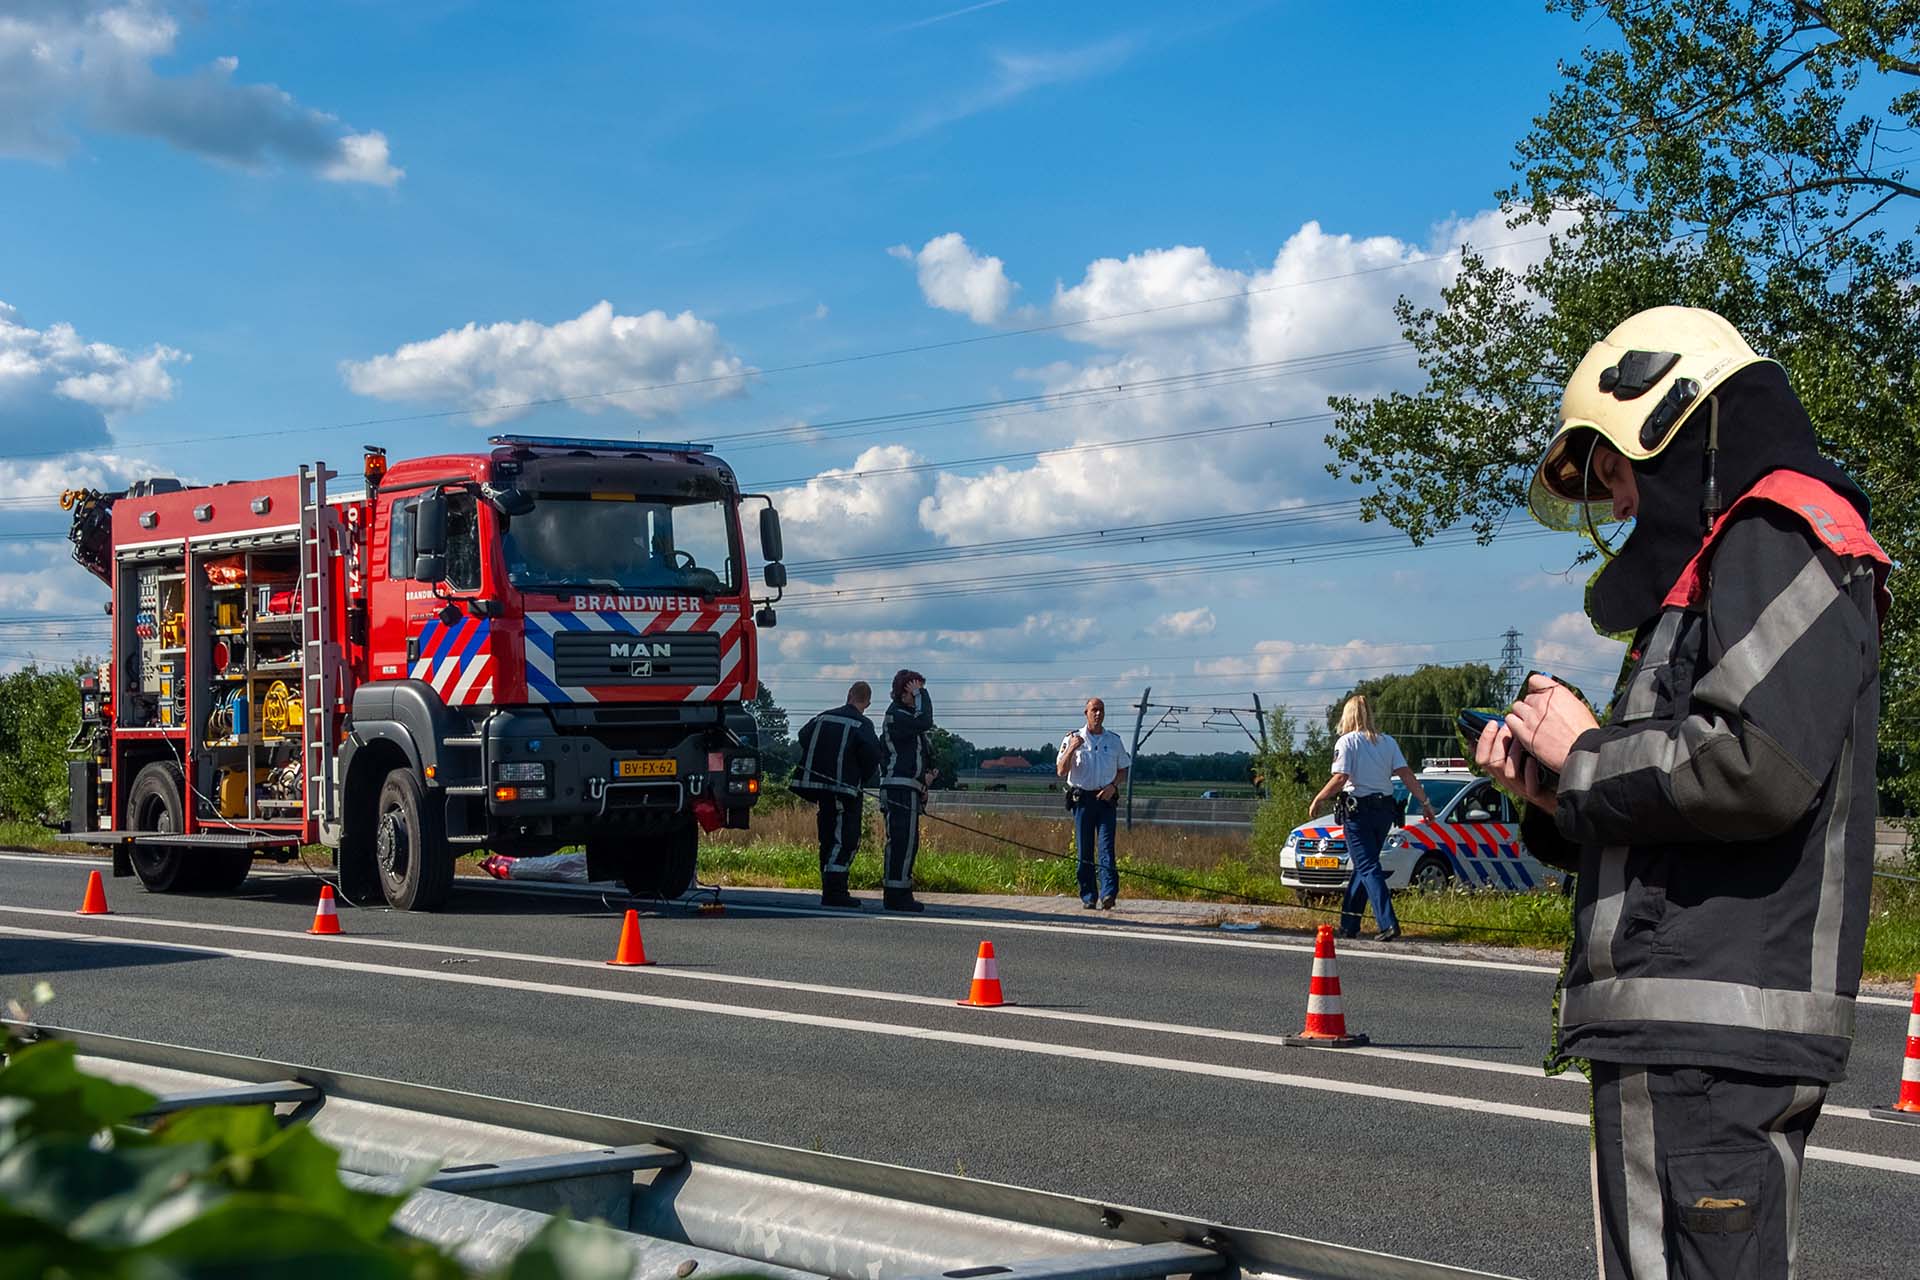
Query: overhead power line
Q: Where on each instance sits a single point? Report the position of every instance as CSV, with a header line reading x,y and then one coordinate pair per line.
x,y
1254,558
1023,455
1227,524
1001,335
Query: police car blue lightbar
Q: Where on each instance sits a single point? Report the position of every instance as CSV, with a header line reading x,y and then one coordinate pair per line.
x,y
613,446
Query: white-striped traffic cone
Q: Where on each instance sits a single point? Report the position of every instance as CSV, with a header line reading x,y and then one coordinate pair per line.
x,y
1326,1019
1906,1107
985,991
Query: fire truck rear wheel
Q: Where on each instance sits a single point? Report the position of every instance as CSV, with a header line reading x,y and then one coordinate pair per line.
x,y
410,847
154,805
654,865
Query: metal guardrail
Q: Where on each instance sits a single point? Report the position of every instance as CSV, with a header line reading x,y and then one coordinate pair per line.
x,y
730,1205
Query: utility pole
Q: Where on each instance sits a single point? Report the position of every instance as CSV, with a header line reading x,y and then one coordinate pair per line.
x,y
1510,671
1140,718
1261,716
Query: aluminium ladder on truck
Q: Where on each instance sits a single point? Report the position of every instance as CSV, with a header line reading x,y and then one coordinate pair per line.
x,y
323,680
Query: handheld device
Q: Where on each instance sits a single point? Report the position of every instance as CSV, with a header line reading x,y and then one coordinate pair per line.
x,y
1474,722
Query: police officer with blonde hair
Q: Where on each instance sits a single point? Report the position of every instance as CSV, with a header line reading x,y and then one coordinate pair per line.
x,y
1721,820
1365,763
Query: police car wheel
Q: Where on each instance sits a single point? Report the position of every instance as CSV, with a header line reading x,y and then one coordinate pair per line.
x,y
1431,874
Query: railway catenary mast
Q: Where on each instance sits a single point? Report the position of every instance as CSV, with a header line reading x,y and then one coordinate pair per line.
x,y
551,643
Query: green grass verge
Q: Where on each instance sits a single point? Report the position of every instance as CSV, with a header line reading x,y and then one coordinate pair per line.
x,y
1541,920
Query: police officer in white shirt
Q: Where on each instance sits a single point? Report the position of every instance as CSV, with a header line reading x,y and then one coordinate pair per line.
x,y
1094,762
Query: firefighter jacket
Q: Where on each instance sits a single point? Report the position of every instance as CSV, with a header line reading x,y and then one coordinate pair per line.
x,y
838,753
1722,818
906,734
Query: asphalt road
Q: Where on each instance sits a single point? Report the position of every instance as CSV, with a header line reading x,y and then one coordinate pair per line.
x,y
1140,1066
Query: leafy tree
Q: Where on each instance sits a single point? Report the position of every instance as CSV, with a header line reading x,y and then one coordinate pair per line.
x,y
39,713
1284,771
1749,157
777,750
951,753
1418,708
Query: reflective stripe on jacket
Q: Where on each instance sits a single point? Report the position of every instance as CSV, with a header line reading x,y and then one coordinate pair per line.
x,y
1725,812
905,734
838,752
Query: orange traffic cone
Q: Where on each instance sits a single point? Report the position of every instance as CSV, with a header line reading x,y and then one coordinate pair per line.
x,y
1907,1107
985,993
630,950
1326,1021
325,918
95,902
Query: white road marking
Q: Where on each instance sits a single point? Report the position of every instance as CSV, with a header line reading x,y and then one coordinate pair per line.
x,y
1168,934
658,971
1317,1084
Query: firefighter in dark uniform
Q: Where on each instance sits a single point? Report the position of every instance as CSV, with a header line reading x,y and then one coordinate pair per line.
x,y
839,752
908,768
1721,820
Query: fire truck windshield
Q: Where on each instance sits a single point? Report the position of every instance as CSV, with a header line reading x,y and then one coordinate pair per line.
x,y
574,541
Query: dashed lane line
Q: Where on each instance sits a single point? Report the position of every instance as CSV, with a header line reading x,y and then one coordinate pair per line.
x,y
1169,935
667,971
1315,1084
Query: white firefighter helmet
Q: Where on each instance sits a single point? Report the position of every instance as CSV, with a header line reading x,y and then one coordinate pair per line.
x,y
1634,389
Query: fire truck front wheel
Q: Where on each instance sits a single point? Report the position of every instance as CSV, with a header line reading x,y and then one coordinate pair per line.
x,y
409,846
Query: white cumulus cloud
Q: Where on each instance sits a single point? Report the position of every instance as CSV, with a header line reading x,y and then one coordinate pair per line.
x,y
842,512
1186,624
1569,641
56,386
646,364
955,278
93,63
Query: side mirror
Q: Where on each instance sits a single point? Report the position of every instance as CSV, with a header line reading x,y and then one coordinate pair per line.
x,y
430,529
508,500
770,548
775,576
430,567
765,618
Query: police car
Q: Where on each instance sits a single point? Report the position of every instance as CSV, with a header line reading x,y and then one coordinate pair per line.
x,y
1473,840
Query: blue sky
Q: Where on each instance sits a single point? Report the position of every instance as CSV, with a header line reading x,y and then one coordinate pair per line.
x,y
246,225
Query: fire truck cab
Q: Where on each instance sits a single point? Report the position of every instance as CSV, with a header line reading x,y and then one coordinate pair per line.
x,y
552,643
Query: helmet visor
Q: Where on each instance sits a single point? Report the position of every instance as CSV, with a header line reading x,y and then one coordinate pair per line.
x,y
1566,493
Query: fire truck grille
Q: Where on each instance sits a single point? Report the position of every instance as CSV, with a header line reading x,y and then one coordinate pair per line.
x,y
608,658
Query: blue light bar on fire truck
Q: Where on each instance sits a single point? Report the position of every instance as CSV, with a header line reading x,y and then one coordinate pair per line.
x,y
611,446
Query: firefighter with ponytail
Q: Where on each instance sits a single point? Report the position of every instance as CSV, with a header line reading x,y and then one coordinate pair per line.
x,y
1721,819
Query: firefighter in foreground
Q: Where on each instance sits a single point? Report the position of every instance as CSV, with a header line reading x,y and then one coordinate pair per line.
x,y
838,753
1721,821
906,733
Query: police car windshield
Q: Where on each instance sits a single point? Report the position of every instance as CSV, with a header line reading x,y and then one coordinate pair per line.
x,y
1439,791
614,542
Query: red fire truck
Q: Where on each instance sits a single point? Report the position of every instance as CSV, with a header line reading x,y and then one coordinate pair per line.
x,y
549,644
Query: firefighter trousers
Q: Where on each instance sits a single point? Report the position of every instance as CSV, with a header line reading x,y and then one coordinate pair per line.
x,y
1696,1171
840,824
901,806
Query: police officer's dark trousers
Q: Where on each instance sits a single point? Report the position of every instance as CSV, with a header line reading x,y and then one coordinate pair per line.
x,y
840,825
1696,1171
901,807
